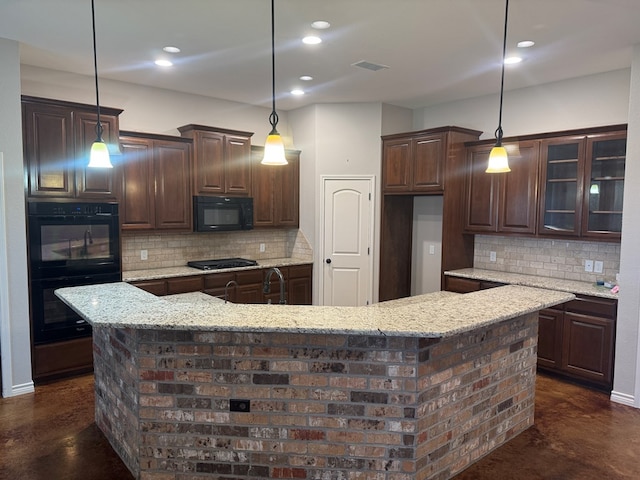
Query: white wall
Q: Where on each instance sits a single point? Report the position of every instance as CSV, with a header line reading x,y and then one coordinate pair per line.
x,y
337,139
627,373
578,103
427,233
604,99
15,341
152,110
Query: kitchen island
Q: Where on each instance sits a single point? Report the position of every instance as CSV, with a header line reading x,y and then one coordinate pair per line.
x,y
192,388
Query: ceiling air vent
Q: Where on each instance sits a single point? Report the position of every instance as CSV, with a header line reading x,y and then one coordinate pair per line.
x,y
374,67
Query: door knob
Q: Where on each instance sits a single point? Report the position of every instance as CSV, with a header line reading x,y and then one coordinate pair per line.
x,y
328,260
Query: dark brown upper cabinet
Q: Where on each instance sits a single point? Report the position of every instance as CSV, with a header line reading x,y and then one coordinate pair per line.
x,y
504,202
57,141
413,163
221,160
156,190
276,190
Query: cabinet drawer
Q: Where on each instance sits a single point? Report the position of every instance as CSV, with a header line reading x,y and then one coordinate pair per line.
x,y
249,276
217,280
300,271
156,287
602,307
461,285
184,284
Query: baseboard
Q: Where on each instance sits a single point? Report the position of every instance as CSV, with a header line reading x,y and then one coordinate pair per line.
x,y
623,398
20,390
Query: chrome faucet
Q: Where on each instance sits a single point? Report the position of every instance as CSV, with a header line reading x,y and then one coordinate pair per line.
x,y
266,287
226,287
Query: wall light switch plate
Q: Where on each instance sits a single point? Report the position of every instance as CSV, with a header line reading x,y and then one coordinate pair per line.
x,y
262,248
588,265
432,249
144,255
597,266
492,256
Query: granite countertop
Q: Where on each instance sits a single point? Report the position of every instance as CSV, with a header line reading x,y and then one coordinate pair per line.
x,y
571,286
185,271
438,314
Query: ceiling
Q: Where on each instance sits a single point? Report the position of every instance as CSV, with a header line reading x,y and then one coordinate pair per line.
x,y
436,50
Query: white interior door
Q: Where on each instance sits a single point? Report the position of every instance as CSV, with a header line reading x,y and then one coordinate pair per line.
x,y
347,242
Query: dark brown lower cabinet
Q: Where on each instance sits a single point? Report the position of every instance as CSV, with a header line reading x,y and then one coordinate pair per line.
x,y
62,359
575,340
247,286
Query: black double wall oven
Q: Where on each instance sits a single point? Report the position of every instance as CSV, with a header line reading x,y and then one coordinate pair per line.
x,y
70,244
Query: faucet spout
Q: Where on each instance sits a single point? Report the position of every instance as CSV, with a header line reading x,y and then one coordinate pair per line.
x,y
226,288
266,287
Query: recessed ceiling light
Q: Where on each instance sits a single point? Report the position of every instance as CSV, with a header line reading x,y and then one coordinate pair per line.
x,y
170,49
164,63
512,60
320,24
526,44
306,78
311,40
297,91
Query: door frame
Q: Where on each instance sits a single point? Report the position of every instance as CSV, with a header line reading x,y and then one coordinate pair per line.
x,y
372,229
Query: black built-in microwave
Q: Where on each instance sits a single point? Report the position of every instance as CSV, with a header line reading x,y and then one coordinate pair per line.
x,y
222,214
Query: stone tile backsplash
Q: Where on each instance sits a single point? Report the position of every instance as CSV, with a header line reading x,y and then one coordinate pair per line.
x,y
176,249
546,257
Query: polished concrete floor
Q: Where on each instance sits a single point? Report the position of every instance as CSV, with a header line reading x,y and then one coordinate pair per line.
x,y
578,434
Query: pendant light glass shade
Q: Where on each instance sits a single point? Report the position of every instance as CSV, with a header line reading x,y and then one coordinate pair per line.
x,y
274,146
498,159
274,150
99,156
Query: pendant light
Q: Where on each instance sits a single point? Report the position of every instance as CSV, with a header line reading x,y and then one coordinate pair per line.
x,y
498,160
99,157
273,147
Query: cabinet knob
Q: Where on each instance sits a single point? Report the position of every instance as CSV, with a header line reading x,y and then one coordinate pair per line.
x,y
328,260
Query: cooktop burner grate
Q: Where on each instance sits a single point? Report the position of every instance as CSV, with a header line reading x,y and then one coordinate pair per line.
x,y
222,263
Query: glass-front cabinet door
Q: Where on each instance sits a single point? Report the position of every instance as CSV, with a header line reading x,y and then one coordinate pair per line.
x,y
604,185
562,167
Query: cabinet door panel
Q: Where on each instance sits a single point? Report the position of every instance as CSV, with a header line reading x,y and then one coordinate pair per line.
x,y
176,285
94,182
137,202
287,198
396,166
208,175
428,164
173,195
550,338
562,171
588,347
48,150
481,193
263,191
518,191
237,165
604,187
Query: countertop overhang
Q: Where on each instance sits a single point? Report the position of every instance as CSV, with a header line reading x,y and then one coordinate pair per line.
x,y
439,314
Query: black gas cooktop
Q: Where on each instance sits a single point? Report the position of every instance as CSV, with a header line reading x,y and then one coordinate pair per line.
x,y
222,263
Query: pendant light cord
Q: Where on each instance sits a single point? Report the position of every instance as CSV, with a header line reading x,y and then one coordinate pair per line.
x,y
498,132
273,118
95,70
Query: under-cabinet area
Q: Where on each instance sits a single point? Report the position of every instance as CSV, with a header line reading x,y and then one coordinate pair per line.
x,y
575,339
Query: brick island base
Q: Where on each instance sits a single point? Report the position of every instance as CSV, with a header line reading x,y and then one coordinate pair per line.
x,y
322,406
